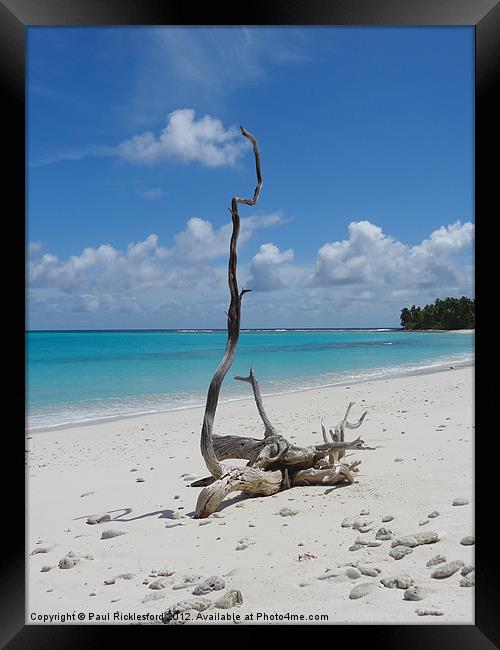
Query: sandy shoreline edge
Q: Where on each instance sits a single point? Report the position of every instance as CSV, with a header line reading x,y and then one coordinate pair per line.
x,y
115,418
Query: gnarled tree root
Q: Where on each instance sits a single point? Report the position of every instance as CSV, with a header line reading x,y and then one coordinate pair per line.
x,y
251,480
323,476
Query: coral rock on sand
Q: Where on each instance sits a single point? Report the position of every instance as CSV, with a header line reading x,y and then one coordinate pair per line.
x,y
358,523
362,590
46,567
232,598
433,514
368,570
98,519
188,581
41,549
214,583
437,559
398,552
169,571
157,584
108,534
243,543
198,604
353,573
172,524
467,569
384,533
151,597
367,542
460,501
67,562
468,541
387,518
365,529
417,539
347,522
469,580
428,612
401,581
418,592
287,512
447,570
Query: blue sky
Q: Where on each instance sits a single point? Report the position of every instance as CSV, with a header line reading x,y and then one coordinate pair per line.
x,y
366,137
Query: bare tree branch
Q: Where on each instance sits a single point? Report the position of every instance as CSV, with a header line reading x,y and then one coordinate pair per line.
x,y
339,436
233,326
258,172
270,430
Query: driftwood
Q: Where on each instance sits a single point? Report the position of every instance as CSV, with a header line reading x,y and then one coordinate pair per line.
x,y
273,463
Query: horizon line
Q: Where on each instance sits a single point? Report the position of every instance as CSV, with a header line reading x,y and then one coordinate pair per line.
x,y
199,329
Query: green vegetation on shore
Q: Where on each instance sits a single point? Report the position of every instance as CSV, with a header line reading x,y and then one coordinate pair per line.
x,y
447,314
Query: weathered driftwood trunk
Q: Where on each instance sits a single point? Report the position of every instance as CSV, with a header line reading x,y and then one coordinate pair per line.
x,y
273,463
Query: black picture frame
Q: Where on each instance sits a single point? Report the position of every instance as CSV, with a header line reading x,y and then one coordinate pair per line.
x,y
15,17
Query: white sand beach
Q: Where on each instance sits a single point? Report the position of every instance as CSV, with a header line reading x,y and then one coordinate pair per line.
x,y
423,429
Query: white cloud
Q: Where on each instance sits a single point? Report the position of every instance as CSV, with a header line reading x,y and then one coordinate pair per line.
x,y
151,193
184,138
147,248
363,280
34,247
201,241
265,268
371,258
142,276
203,140
100,269
449,239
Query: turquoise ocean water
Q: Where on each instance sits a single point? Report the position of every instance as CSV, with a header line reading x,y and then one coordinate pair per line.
x,y
74,377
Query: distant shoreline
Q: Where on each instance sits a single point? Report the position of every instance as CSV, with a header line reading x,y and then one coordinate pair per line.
x,y
462,331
